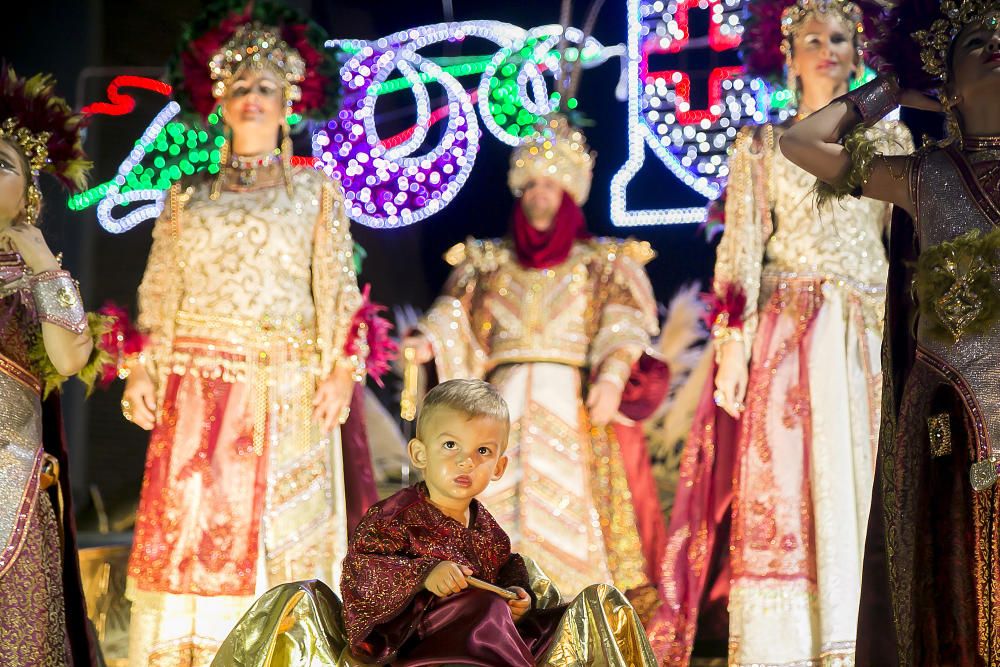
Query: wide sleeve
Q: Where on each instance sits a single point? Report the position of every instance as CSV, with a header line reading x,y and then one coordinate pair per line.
x,y
448,324
335,289
625,310
515,573
739,260
379,585
161,289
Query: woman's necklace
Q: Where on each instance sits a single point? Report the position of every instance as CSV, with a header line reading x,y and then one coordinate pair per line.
x,y
248,166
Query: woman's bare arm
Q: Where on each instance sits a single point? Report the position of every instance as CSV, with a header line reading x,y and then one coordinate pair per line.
x,y
813,144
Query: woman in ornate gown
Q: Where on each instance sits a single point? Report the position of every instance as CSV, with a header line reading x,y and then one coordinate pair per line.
x,y
45,336
931,593
257,335
767,532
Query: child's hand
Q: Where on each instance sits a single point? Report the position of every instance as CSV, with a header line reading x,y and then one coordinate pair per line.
x,y
447,578
520,606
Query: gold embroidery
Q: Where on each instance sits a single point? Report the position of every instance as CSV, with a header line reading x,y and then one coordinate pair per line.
x,y
939,430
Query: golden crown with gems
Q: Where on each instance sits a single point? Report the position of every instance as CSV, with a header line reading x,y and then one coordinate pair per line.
x,y
558,151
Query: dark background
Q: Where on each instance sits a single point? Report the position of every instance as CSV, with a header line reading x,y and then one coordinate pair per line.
x,y
84,44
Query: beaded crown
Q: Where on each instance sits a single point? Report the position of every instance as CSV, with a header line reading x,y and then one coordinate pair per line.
x,y
43,126
914,38
772,25
233,34
558,151
935,41
255,45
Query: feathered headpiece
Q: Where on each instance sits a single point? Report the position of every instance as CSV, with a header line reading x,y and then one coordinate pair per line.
x,y
914,38
771,26
559,151
233,34
43,126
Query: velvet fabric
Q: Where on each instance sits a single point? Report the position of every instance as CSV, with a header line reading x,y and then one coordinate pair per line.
x,y
389,615
359,485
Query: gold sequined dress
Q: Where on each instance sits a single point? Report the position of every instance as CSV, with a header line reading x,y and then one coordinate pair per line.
x,y
541,335
248,300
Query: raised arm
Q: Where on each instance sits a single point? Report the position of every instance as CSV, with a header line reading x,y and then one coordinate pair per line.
x,y
833,144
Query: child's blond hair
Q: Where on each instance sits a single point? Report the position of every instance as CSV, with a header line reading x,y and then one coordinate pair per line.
x,y
473,398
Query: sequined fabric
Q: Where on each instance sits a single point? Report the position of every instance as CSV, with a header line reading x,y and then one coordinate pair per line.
x,y
32,613
57,301
934,555
248,300
20,465
814,278
395,547
947,209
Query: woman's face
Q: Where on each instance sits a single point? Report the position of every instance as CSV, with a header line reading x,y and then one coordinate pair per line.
x,y
823,53
254,103
13,182
975,64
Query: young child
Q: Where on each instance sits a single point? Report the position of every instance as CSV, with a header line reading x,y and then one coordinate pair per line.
x,y
406,586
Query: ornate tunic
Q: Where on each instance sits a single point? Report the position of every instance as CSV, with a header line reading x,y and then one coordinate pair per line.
x,y
536,333
32,602
814,281
248,300
936,509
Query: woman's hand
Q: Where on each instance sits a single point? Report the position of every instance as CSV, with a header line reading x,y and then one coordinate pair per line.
x,y
139,399
332,402
28,242
423,351
731,378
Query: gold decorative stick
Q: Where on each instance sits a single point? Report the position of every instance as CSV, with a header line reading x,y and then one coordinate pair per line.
x,y
411,381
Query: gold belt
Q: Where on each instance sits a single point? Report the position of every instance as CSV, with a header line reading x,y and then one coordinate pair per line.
x,y
240,332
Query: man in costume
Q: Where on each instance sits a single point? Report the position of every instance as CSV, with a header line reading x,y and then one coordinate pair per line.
x,y
558,319
258,334
931,590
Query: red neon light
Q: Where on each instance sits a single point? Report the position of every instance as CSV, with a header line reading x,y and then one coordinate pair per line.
x,y
435,116
716,40
682,93
123,103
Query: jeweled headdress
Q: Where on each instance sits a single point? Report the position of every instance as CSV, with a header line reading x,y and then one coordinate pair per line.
x,y
45,129
44,126
234,34
559,151
772,24
915,36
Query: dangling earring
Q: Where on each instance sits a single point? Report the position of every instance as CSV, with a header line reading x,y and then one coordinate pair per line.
x,y
224,152
953,131
791,80
859,69
32,204
286,151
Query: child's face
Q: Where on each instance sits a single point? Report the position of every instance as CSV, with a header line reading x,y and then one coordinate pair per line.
x,y
460,456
